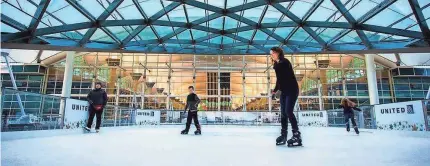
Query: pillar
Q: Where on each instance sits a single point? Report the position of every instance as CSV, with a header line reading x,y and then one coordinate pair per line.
x,y
371,79
219,85
67,83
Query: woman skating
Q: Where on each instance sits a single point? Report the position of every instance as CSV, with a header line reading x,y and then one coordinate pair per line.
x,y
348,112
286,83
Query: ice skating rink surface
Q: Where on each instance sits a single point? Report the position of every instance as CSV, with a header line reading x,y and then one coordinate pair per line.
x,y
218,146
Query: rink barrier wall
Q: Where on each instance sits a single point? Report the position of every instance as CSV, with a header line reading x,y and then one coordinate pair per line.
x,y
405,116
76,114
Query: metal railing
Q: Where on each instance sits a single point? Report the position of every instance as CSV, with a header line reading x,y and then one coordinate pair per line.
x,y
42,113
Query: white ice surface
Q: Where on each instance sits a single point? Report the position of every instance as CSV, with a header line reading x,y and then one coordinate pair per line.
x,y
219,146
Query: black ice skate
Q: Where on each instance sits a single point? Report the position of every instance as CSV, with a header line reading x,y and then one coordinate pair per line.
x,y
198,132
347,129
296,140
356,130
86,129
281,140
184,132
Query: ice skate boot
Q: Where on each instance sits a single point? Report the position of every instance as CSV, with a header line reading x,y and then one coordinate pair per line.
x,y
356,130
281,140
296,140
198,132
184,132
347,129
97,130
86,129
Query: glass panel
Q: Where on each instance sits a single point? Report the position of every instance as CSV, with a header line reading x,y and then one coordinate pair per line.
x,y
162,30
217,23
409,24
372,36
254,14
93,7
301,7
423,2
406,71
300,35
185,35
283,32
426,13
127,10
100,35
272,15
25,6
216,40
15,13
147,34
151,6
227,40
198,34
119,32
323,12
397,10
216,3
328,33
246,34
48,21
260,35
177,14
230,23
194,13
233,3
7,28
349,38
362,8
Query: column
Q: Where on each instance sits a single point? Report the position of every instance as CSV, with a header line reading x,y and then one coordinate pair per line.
x,y
269,92
169,80
320,99
371,79
67,83
219,84
243,84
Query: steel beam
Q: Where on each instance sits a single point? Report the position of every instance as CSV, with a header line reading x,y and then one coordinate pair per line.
x,y
315,36
421,20
374,11
112,7
364,39
247,6
381,47
12,23
314,7
43,5
156,16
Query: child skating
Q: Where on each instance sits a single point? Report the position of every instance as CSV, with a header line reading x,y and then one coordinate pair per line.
x,y
191,106
348,112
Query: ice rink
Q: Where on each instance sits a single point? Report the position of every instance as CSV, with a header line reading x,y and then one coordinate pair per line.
x,y
219,146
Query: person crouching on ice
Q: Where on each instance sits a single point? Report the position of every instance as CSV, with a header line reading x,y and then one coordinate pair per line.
x,y
348,112
191,106
97,99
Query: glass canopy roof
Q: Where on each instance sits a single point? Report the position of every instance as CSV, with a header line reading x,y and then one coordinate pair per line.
x,y
216,26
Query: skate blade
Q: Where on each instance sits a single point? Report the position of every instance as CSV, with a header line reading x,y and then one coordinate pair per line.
x,y
279,144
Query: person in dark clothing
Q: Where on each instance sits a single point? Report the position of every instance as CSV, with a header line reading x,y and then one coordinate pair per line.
x,y
348,112
97,99
287,84
191,106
